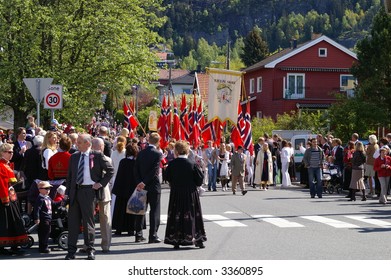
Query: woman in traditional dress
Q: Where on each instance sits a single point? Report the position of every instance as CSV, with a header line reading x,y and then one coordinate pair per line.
x,y
264,167
185,225
357,180
124,186
12,231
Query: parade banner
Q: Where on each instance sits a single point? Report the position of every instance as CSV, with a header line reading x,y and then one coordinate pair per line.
x,y
224,94
152,121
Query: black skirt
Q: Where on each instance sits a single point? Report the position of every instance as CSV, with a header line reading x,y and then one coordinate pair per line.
x,y
12,230
185,225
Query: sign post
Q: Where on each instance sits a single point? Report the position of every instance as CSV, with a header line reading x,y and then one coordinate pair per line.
x,y
37,88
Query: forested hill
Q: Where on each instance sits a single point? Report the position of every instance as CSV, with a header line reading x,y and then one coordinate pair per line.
x,y
280,20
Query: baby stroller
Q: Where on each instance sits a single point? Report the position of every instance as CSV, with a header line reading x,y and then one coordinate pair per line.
x,y
331,178
59,228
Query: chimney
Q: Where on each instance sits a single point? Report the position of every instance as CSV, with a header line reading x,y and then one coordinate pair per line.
x,y
198,68
294,44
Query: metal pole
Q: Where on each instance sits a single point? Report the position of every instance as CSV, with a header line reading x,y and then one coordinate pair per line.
x,y
52,114
136,89
38,82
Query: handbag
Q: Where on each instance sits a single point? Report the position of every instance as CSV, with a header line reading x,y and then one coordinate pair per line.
x,y
137,203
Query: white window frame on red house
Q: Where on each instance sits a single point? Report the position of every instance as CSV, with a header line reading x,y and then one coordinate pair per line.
x,y
252,85
259,84
347,85
324,50
297,92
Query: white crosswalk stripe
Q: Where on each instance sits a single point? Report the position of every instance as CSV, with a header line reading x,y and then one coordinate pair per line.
x,y
371,221
287,223
330,222
223,221
279,222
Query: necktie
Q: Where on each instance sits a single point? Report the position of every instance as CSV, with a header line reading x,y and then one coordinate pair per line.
x,y
80,170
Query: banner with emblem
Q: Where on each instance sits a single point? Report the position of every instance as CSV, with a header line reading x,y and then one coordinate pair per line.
x,y
224,94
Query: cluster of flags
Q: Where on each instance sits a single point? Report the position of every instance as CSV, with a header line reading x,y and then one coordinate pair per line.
x,y
190,124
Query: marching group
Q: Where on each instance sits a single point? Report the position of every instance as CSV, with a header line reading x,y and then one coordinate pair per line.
x,y
96,174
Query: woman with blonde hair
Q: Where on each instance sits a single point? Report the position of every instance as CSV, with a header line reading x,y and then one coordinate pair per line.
x,y
264,167
116,156
12,232
357,180
49,148
369,171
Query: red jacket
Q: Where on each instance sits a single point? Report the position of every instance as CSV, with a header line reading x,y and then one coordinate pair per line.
x,y
383,172
58,165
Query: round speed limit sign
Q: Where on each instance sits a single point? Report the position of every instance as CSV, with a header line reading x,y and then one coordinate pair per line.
x,y
53,97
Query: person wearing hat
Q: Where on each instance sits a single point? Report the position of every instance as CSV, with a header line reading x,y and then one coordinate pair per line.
x,y
53,125
42,215
238,167
382,166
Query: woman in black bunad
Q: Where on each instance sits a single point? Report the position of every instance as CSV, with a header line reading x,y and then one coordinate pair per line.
x,y
124,186
185,225
12,231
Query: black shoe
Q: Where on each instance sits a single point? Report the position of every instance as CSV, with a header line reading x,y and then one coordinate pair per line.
x,y
176,247
244,192
70,256
139,239
5,252
200,245
82,251
44,251
312,196
90,256
352,199
154,240
17,251
130,233
106,251
364,199
233,192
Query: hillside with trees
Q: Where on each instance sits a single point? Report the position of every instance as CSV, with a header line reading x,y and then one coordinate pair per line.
x,y
217,22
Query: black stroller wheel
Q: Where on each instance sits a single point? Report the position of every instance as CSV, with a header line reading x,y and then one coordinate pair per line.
x,y
63,240
29,243
330,189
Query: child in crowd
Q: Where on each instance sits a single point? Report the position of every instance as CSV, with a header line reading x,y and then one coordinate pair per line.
x,y
42,215
60,193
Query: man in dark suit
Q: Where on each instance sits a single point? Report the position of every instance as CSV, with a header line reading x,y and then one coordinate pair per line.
x,y
147,177
20,147
88,172
103,134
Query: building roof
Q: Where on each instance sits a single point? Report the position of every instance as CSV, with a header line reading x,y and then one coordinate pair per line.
x,y
273,60
202,84
164,74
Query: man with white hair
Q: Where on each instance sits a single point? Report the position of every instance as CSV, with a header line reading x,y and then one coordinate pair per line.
x,y
104,203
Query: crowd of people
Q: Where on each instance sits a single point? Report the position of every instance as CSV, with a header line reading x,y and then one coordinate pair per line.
x,y
96,173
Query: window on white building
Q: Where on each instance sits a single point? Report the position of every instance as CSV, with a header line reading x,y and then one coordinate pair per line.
x,y
252,85
259,84
295,86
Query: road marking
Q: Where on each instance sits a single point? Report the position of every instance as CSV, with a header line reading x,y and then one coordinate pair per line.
x,y
163,219
223,221
371,221
279,222
330,222
232,212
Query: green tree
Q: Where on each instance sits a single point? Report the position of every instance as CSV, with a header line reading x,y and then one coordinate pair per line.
x,y
255,48
78,43
373,72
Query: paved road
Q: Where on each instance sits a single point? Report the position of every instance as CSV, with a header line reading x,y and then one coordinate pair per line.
x,y
278,224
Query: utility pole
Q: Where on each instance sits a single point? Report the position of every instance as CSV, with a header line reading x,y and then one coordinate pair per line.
x,y
228,53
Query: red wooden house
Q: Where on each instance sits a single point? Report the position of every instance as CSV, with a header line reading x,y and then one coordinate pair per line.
x,y
302,77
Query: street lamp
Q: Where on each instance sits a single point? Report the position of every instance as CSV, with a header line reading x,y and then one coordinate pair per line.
x,y
135,92
159,87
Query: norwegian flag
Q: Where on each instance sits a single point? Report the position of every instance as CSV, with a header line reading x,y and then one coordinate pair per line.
x,y
241,121
194,127
131,105
208,132
200,116
130,121
184,118
176,128
162,125
236,137
247,134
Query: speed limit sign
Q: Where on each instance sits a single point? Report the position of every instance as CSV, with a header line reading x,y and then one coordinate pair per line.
x,y
53,97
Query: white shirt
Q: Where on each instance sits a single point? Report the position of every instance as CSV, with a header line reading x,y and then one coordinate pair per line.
x,y
86,173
